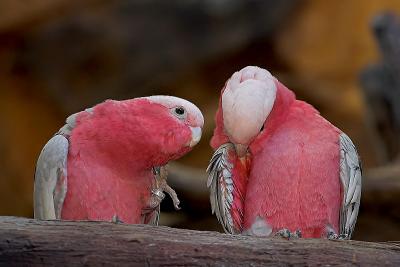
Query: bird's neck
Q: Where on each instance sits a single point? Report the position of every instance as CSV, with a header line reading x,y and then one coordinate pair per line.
x,y
284,99
283,103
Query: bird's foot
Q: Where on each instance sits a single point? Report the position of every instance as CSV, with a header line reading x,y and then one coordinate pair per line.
x,y
161,174
171,192
334,236
285,233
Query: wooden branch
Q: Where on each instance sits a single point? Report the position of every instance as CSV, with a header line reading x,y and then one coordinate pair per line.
x,y
30,242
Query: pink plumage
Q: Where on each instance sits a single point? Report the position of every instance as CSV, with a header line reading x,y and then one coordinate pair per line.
x,y
292,173
113,150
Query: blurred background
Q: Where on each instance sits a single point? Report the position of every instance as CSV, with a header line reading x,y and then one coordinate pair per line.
x,y
58,57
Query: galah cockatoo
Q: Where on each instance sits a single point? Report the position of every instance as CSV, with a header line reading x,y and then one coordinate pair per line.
x,y
107,162
279,168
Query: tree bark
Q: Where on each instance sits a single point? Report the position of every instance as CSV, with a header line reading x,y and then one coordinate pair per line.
x,y
30,242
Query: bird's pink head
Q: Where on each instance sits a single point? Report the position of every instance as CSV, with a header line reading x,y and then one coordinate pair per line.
x,y
246,102
174,125
145,132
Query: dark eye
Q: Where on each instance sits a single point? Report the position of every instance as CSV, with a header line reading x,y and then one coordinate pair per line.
x,y
262,128
179,112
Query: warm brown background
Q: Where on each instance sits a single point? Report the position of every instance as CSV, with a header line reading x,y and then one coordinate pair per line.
x,y
58,57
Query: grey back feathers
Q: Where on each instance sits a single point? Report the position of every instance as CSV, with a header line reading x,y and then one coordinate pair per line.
x,y
71,122
69,125
51,179
50,186
220,182
350,177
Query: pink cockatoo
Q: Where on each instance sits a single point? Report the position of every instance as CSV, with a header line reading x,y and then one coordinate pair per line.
x,y
107,162
279,168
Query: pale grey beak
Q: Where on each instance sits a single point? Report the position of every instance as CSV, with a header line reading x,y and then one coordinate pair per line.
x,y
196,136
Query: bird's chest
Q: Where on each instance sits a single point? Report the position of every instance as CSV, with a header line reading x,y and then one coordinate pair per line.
x,y
98,192
293,186
124,199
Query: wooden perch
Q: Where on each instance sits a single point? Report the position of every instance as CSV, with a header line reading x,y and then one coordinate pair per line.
x,y
30,242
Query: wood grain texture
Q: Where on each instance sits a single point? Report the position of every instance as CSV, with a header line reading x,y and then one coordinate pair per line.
x,y
30,242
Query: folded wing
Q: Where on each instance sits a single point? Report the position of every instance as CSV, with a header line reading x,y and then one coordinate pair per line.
x,y
224,193
51,179
50,185
350,177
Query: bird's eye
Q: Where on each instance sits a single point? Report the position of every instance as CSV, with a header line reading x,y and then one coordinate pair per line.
x,y
179,112
262,128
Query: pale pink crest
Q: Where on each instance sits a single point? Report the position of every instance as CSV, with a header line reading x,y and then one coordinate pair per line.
x,y
246,103
195,117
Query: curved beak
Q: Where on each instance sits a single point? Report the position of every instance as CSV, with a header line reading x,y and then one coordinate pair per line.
x,y
196,136
241,150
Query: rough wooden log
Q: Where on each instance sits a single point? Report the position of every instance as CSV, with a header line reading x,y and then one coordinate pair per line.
x,y
29,242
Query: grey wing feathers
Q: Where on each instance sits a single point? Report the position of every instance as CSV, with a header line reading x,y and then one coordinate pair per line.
x,y
221,186
71,121
51,172
350,177
51,179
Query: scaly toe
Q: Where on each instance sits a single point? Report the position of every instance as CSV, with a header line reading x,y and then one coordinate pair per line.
x,y
285,233
332,236
297,234
343,237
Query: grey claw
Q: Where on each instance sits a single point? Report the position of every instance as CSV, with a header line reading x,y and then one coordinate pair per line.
x,y
176,206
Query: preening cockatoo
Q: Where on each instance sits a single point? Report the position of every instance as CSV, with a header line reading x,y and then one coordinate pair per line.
x,y
279,167
107,162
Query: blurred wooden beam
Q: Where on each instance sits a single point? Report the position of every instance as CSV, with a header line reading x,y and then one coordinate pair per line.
x,y
379,201
379,184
